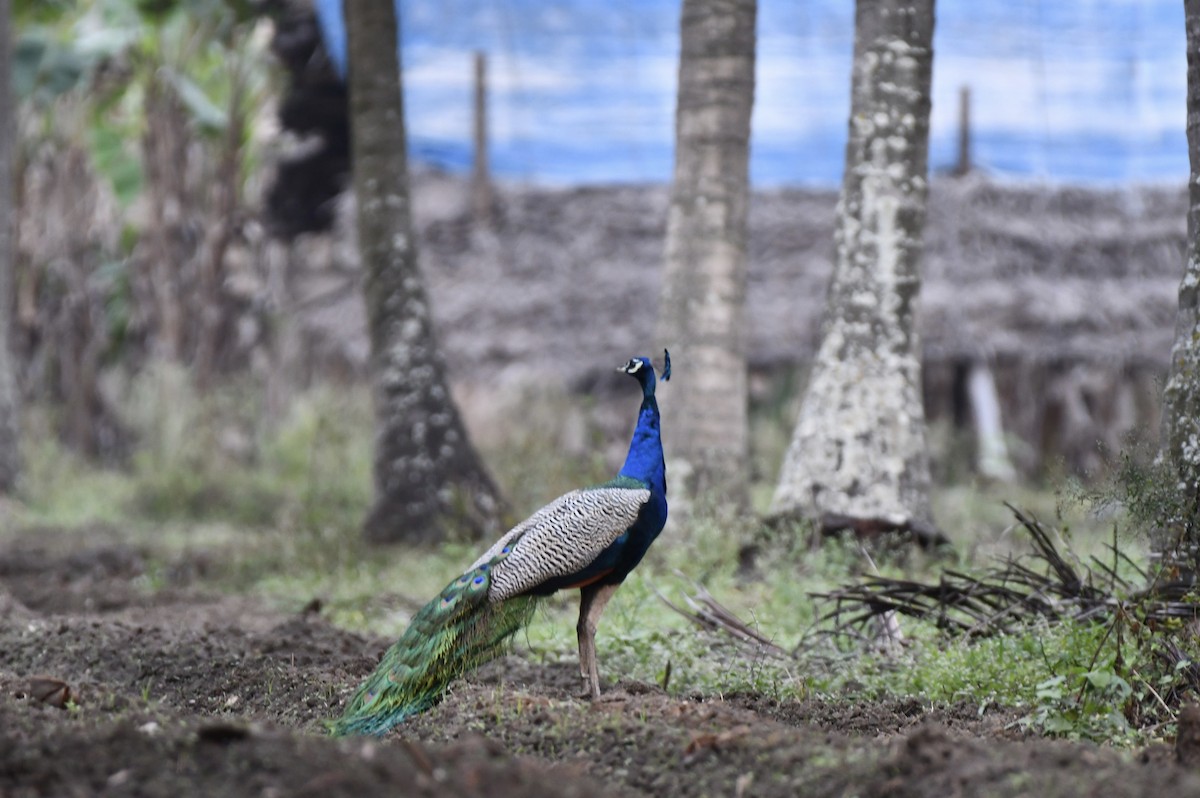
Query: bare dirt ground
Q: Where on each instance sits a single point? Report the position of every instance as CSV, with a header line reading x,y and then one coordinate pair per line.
x,y
109,688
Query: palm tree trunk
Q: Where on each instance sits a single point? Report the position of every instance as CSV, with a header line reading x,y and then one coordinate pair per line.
x,y
859,449
428,476
1181,396
10,461
704,279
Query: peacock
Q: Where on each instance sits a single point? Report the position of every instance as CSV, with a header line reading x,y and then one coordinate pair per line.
x,y
588,539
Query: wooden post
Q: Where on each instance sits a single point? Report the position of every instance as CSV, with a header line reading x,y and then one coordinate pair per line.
x,y
991,450
481,180
964,132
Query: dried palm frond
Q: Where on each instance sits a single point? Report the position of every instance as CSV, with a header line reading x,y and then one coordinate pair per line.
x,y
1049,583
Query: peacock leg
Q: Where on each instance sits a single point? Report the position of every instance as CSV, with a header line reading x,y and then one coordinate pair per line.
x,y
591,604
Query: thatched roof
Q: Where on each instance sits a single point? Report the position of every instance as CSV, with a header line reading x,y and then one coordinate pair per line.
x,y
570,276
1053,275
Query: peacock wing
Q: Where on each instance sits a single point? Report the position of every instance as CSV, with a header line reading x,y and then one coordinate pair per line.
x,y
561,539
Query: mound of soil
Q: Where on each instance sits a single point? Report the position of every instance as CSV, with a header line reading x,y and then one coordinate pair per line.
x,y
124,691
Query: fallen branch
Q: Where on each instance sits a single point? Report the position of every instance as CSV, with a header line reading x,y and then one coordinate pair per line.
x,y
708,613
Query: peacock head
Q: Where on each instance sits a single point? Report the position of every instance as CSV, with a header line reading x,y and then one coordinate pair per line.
x,y
643,370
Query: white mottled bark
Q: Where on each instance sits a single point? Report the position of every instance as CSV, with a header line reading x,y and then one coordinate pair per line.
x,y
704,278
10,461
428,476
859,447
1181,396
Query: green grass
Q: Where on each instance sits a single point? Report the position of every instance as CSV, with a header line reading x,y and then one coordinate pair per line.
x,y
280,505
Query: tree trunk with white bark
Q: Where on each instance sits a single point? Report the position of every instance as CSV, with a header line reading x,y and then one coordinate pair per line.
x,y
859,448
1181,396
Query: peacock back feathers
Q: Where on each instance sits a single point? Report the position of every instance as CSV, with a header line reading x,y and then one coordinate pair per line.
x,y
563,538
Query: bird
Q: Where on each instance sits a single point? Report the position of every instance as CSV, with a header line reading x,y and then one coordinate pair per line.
x,y
589,539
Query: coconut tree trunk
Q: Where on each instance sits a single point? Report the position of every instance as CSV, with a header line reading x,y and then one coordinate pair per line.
x,y
1181,397
165,160
704,279
859,448
219,237
428,477
10,463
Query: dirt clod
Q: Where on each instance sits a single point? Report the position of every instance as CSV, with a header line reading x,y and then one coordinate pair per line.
x,y
50,691
1187,736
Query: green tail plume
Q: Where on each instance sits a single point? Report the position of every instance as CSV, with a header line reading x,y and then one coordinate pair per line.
x,y
456,632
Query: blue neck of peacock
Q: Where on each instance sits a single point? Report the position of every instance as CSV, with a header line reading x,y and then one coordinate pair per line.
x,y
645,459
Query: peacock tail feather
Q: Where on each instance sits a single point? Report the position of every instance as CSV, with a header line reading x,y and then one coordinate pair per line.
x,y
457,631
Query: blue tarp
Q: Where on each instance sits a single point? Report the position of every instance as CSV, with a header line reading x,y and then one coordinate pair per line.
x,y
584,90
